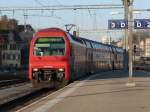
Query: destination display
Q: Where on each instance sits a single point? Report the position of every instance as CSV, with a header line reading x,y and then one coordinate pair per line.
x,y
50,40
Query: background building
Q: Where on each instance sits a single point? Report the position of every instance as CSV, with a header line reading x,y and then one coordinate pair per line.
x,y
141,45
14,43
147,47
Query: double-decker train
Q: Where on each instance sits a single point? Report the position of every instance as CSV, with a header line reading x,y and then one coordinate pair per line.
x,y
57,57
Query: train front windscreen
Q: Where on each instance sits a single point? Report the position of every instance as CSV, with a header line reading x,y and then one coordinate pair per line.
x,y
49,46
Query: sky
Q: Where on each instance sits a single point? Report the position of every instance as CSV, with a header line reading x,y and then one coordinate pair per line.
x,y
91,23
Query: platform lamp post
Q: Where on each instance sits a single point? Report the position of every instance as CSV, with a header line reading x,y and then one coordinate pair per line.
x,y
125,39
128,8
126,12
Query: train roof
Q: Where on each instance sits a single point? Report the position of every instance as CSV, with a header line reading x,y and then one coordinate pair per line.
x,y
55,29
51,29
111,45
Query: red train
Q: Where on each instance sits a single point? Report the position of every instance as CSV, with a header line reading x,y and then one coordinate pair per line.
x,y
57,57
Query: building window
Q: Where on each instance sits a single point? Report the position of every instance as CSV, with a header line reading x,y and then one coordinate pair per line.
x,y
8,56
10,46
1,46
11,57
14,46
5,47
19,56
14,56
4,56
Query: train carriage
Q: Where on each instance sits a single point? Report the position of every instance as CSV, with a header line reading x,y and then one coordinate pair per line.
x,y
77,58
49,54
57,57
89,56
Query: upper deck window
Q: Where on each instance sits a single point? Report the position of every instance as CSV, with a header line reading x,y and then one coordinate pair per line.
x,y
49,46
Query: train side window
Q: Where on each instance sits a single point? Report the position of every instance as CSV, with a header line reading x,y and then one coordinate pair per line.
x,y
4,56
77,39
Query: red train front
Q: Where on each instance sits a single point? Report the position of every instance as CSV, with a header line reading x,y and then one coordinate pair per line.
x,y
48,60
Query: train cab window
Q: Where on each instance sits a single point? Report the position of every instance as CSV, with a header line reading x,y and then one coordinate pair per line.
x,y
49,46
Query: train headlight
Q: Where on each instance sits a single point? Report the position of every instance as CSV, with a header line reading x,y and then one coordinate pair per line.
x,y
61,69
35,69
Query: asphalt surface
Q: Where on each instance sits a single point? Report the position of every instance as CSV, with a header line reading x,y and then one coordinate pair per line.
x,y
104,92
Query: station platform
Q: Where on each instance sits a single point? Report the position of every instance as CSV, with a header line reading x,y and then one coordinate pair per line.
x,y
103,92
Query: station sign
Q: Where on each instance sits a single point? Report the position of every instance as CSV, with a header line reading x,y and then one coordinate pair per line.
x,y
142,23
118,24
123,24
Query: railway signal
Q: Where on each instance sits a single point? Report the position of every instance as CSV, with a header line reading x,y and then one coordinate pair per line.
x,y
134,49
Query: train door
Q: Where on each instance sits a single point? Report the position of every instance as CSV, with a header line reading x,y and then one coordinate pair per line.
x,y
87,61
71,62
75,62
89,57
90,61
86,57
92,51
113,58
110,58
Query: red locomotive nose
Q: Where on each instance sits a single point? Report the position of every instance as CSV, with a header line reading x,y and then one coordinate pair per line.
x,y
49,54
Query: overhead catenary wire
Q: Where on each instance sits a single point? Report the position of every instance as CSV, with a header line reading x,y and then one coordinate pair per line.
x,y
52,11
39,3
58,2
64,7
61,8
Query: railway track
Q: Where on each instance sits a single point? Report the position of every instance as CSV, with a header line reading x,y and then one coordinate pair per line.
x,y
28,95
20,95
24,100
7,83
142,67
